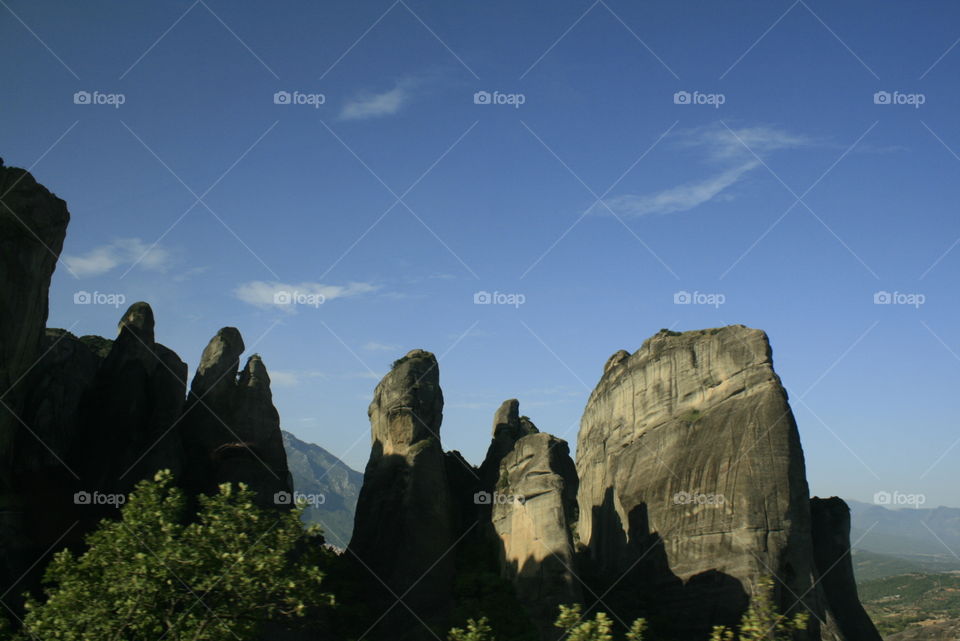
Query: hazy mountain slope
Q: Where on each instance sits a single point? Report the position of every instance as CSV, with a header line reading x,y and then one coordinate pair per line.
x,y
318,472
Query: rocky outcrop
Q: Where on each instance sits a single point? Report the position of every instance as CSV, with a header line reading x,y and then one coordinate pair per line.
x,y
133,409
88,416
534,510
691,472
33,224
231,429
403,530
508,428
846,619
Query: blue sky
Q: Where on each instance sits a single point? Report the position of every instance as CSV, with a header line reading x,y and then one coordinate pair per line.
x,y
622,153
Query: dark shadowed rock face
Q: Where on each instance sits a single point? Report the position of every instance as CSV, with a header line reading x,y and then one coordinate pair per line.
x,y
846,619
132,411
688,448
534,509
403,524
33,225
508,428
231,429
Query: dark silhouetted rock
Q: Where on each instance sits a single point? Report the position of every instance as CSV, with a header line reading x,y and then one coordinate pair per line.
x,y
33,225
231,429
846,619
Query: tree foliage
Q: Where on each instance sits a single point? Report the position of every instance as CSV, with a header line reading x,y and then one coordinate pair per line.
x,y
156,573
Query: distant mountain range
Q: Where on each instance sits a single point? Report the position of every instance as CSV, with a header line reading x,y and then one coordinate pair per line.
x,y
928,537
317,472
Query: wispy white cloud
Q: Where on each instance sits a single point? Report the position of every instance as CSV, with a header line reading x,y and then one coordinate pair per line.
x,y
376,105
290,378
122,251
373,346
679,198
735,151
288,297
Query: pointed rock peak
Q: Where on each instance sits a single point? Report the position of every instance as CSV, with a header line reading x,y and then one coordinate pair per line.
x,y
509,425
138,320
407,404
508,414
255,374
220,360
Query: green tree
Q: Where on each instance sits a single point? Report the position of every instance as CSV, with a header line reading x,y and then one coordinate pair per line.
x,y
156,573
599,629
475,631
761,621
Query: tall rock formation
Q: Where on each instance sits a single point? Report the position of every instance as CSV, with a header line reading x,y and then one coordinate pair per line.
x,y
534,510
846,619
133,409
508,428
231,429
89,416
691,472
403,530
33,224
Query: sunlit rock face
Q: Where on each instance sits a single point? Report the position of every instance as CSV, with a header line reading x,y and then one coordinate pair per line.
x,y
403,530
691,470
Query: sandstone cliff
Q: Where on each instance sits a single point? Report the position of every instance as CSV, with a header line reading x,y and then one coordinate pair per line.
x,y
403,530
534,508
691,471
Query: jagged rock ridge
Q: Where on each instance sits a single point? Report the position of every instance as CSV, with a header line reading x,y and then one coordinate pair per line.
x,y
88,416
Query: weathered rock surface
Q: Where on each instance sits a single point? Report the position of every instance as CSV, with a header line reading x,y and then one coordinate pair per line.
x,y
534,510
403,530
690,461
846,619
